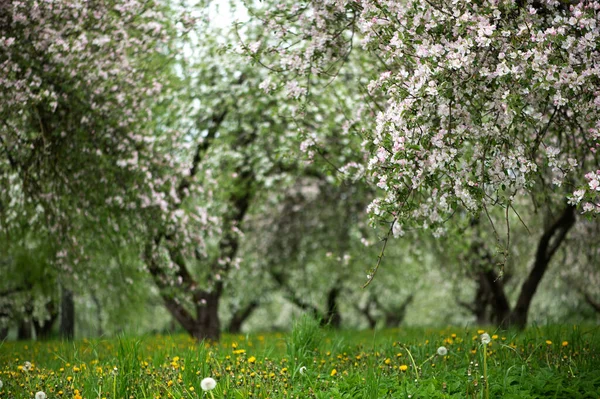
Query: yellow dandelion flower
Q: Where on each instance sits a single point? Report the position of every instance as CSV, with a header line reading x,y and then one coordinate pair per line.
x,y
565,343
251,359
480,332
387,361
548,342
333,372
403,367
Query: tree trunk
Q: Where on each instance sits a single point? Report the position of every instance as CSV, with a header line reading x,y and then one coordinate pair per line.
x,y
98,314
240,316
590,301
395,317
24,332
366,311
481,301
333,317
498,301
67,315
549,243
207,325
43,329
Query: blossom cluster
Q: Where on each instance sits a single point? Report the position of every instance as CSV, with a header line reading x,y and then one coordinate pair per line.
x,y
475,102
87,105
93,139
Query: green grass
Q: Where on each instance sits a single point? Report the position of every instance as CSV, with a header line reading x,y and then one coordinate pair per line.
x,y
549,362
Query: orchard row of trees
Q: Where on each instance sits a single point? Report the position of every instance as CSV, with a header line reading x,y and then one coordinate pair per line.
x,y
146,153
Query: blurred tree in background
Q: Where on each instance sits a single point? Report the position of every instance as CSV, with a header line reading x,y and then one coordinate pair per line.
x,y
157,165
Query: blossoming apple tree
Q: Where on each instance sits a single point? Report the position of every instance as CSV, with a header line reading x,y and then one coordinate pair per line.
x,y
124,132
97,139
470,105
475,102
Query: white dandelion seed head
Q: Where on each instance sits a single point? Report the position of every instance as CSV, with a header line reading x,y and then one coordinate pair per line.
x,y
302,370
442,351
1,384
208,384
485,338
40,395
27,366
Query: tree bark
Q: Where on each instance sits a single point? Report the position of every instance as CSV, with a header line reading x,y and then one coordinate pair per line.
x,y
333,318
43,329
98,304
498,300
547,247
24,331
590,301
208,325
395,317
370,319
67,315
240,316
203,322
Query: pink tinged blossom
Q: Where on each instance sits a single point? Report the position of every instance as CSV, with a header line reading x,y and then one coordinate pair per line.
x,y
588,207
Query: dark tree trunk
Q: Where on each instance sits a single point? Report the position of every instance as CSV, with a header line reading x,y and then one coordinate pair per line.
x,y
3,333
205,323
208,325
549,243
366,311
395,317
489,303
590,301
67,315
240,316
43,329
24,331
482,300
333,318
98,314
500,307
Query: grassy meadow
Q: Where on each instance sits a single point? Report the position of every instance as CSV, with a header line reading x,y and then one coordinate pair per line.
x,y
546,362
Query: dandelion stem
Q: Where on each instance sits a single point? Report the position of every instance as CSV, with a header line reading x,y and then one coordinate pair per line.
x,y
430,357
485,377
413,362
